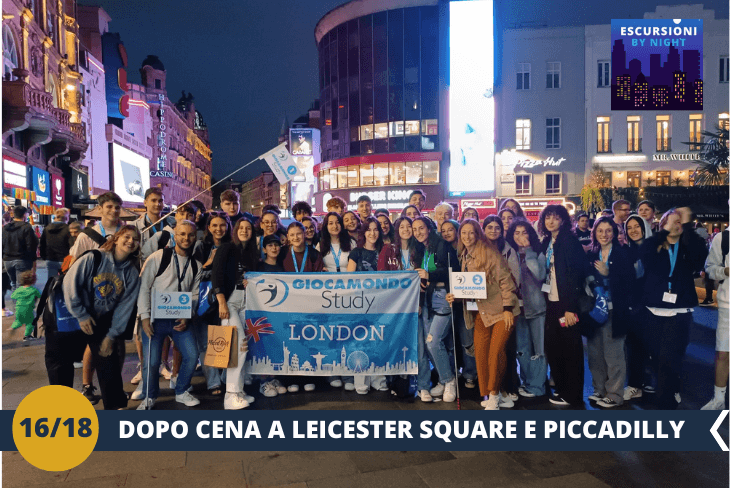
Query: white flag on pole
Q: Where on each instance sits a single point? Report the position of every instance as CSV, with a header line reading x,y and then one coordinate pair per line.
x,y
281,163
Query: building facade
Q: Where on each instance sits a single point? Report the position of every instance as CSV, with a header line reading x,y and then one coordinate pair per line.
x,y
647,147
43,134
259,192
379,68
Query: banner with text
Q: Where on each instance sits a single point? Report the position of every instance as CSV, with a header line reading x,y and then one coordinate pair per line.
x,y
315,324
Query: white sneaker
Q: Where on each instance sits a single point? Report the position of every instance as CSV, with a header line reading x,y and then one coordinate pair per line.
x,y
505,401
173,384
526,393
596,397
678,397
450,391
138,393
234,401
363,390
146,404
469,383
280,389
268,389
425,396
715,404
630,393
187,399
135,380
292,388
513,396
81,365
349,386
492,403
248,398
336,383
165,373
437,390
309,387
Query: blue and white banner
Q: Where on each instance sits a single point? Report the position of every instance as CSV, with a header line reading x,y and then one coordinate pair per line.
x,y
323,324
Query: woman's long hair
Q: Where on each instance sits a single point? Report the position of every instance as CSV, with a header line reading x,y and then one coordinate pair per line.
x,y
500,242
364,228
519,213
325,239
531,234
485,256
556,210
111,244
595,245
249,250
390,233
413,244
208,237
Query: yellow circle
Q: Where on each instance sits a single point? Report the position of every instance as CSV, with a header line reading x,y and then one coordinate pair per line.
x,y
64,410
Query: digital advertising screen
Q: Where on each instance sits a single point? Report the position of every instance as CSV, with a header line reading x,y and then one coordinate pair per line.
x,y
131,174
471,97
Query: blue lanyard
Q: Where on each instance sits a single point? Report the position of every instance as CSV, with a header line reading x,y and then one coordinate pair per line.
x,y
427,256
549,255
405,259
304,261
153,228
172,239
336,257
103,232
673,252
600,255
261,246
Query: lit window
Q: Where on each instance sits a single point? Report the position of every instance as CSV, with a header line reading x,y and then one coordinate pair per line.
x,y
604,74
396,128
604,140
552,183
724,120
414,172
633,123
381,131
633,179
522,184
366,175
724,69
413,127
10,54
342,176
380,174
523,76
553,75
353,176
429,127
366,132
430,171
523,133
695,131
663,132
663,177
553,133
397,173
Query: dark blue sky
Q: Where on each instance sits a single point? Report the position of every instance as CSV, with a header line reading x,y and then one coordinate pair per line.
x,y
249,62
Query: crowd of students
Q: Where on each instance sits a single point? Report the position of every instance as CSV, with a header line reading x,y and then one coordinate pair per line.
x,y
626,283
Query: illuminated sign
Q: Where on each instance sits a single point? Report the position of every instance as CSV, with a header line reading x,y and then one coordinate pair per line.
x,y
162,174
471,101
677,157
306,155
58,191
14,174
532,163
131,174
115,76
477,204
301,141
41,185
162,135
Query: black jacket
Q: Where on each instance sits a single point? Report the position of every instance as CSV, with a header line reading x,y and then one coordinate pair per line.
x,y
19,242
444,255
55,242
228,266
691,259
571,270
622,285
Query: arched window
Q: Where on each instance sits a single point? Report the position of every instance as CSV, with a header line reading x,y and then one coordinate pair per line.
x,y
10,54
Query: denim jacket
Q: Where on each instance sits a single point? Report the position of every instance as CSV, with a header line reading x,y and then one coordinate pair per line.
x,y
532,274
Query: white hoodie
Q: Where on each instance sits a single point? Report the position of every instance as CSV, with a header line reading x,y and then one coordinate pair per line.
x,y
715,269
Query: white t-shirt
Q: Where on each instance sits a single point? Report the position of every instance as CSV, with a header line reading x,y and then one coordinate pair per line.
x,y
329,259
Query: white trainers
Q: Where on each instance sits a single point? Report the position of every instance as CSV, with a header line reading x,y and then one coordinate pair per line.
x,y
525,393
234,401
425,396
187,399
280,389
336,383
364,390
505,401
596,397
450,391
309,387
469,383
349,386
146,404
437,390
492,403
81,365
138,393
173,384
268,389
715,404
248,398
164,372
292,388
678,397
137,378
630,393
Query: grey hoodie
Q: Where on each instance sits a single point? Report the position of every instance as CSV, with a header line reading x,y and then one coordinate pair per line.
x,y
167,281
115,287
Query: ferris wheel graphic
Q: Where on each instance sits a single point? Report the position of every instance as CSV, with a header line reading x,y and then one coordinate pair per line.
x,y
358,361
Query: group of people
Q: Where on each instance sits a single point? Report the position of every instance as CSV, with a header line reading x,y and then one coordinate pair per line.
x,y
543,281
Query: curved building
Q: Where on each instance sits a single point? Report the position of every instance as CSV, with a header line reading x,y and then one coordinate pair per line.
x,y
380,84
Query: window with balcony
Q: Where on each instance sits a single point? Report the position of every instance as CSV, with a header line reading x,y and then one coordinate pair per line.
x,y
633,179
10,54
523,76
695,131
604,138
553,75
523,134
604,74
552,183
634,133
552,140
663,133
523,184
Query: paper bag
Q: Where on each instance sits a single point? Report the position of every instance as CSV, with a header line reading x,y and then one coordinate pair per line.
x,y
222,351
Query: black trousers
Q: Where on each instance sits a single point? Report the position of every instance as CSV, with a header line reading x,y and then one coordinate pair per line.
x,y
636,351
667,340
564,350
511,380
63,348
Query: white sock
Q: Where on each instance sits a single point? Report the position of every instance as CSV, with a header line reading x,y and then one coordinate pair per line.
x,y
720,392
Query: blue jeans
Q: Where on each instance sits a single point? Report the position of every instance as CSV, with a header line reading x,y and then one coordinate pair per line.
x,y
530,336
152,349
435,327
214,377
14,268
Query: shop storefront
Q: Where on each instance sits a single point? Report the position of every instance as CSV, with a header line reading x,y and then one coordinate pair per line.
x,y
392,198
533,206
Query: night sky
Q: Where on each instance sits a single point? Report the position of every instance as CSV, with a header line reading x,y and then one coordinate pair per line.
x,y
247,63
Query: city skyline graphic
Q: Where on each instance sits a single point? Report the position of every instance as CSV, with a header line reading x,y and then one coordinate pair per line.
x,y
656,64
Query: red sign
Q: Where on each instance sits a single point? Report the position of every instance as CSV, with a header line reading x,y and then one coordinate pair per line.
x,y
58,191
